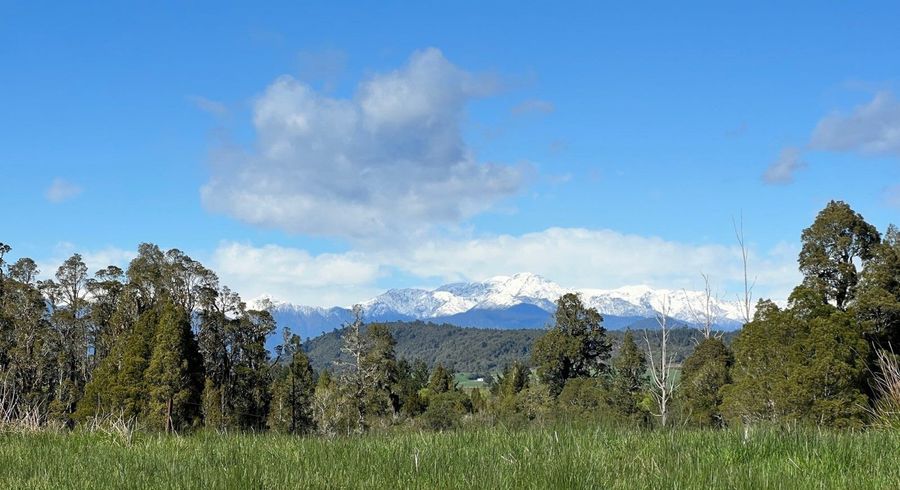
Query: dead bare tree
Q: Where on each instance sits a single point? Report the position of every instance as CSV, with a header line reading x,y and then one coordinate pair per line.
x,y
8,400
746,307
358,374
704,314
662,383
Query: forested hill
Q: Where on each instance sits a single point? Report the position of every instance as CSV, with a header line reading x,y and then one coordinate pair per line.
x,y
473,350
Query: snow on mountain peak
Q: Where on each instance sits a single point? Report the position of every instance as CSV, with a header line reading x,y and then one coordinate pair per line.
x,y
500,292
264,300
521,288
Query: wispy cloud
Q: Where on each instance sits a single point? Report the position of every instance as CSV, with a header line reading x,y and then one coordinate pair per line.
x,y
213,107
61,190
533,106
872,128
782,170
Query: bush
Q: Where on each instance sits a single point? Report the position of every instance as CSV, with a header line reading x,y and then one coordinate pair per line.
x,y
445,410
584,397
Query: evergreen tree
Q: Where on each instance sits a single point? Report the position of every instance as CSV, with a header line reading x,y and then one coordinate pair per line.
x,y
478,400
704,373
837,239
292,389
412,378
174,375
441,380
878,302
513,380
766,354
586,398
511,384
806,363
212,406
575,347
628,380
129,393
445,411
382,360
250,382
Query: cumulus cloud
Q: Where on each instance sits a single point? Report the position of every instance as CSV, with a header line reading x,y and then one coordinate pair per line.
x,y
389,161
782,170
61,190
94,259
573,257
288,273
533,106
872,128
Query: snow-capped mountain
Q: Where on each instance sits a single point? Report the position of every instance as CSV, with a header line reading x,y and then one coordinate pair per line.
x,y
644,301
518,301
451,299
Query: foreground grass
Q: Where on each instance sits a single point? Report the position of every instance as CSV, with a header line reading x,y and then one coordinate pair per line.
x,y
566,457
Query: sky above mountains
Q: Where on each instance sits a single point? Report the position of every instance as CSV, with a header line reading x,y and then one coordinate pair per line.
x,y
323,154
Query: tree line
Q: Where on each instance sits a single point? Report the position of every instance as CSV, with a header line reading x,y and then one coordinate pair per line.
x,y
164,346
480,351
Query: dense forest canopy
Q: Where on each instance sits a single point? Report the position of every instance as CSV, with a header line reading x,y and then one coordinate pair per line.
x,y
474,350
163,345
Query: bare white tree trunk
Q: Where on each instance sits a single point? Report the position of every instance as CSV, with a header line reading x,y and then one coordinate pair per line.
x,y
8,399
746,306
662,384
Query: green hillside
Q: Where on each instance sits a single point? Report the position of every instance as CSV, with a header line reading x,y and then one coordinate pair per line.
x,y
473,350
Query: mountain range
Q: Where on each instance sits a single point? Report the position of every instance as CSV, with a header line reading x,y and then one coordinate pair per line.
x,y
522,300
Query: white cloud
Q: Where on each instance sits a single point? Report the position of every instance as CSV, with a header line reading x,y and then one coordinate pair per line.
x,y
533,106
573,257
288,273
585,258
61,190
872,128
782,170
390,161
93,259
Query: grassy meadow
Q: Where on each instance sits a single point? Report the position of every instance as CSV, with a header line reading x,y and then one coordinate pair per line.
x,y
564,457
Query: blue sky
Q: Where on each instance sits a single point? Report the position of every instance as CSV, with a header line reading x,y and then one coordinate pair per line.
x,y
324,153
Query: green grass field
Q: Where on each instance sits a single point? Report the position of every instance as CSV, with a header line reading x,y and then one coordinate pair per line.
x,y
488,458
468,381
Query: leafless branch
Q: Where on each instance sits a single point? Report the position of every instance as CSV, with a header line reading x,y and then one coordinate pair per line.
x,y
746,307
704,317
662,383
